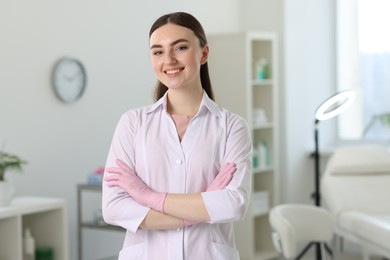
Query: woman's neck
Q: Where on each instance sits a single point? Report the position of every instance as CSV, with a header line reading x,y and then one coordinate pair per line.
x,y
184,102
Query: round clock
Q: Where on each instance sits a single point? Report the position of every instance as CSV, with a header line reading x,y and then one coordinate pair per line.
x,y
69,79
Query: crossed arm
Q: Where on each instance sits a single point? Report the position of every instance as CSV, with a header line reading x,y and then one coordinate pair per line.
x,y
168,210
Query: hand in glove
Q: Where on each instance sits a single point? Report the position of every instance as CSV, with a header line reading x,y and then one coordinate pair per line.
x,y
125,178
223,178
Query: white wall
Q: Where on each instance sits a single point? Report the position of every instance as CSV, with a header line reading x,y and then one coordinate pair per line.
x,y
309,80
63,143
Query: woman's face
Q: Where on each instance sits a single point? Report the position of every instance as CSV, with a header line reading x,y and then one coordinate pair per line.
x,y
176,56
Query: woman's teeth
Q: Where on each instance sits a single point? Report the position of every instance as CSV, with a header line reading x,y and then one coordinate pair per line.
x,y
173,71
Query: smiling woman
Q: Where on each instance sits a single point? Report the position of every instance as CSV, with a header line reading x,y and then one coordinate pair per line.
x,y
200,38
176,57
178,173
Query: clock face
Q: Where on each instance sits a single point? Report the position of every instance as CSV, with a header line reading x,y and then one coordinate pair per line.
x,y
69,79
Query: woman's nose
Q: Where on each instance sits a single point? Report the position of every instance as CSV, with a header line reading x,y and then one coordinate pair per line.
x,y
170,58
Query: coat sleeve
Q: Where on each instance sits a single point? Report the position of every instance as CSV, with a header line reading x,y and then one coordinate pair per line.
x,y
118,207
231,203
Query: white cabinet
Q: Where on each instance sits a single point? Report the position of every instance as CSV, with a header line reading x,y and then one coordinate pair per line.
x,y
234,62
45,217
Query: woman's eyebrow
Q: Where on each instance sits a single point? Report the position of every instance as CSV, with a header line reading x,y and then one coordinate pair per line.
x,y
172,44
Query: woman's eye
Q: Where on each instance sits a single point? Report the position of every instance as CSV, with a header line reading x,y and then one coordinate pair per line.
x,y
157,53
181,48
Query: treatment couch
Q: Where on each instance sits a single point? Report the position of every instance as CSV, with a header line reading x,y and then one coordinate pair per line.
x,y
356,190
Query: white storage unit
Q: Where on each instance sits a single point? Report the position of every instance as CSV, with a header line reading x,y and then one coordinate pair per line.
x,y
45,217
235,65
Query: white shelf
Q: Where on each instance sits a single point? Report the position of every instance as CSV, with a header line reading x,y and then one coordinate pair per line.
x,y
265,213
265,255
236,89
267,125
47,220
263,170
262,82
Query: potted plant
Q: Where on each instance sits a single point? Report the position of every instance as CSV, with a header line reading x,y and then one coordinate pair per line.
x,y
7,162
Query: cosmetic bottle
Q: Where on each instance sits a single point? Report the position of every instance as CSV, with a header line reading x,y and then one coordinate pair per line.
x,y
28,245
262,69
255,158
263,155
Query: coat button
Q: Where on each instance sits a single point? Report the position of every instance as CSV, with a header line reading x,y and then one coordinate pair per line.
x,y
179,162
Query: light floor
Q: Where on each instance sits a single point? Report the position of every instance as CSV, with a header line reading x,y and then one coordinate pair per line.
x,y
344,256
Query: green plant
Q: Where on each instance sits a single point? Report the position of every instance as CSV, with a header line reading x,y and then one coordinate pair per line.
x,y
384,119
9,161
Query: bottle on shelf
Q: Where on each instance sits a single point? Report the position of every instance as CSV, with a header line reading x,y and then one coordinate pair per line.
x,y
263,155
29,245
261,69
255,157
259,117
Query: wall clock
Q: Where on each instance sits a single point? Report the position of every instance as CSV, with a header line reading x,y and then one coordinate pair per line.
x,y
69,79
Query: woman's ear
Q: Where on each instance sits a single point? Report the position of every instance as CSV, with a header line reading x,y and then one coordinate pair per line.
x,y
205,54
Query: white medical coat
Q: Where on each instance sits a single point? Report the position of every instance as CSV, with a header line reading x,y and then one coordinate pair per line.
x,y
146,139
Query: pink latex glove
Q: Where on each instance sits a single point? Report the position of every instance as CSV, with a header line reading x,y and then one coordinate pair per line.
x,y
125,178
187,223
223,178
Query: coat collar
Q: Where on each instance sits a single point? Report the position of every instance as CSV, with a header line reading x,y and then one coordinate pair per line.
x,y
206,103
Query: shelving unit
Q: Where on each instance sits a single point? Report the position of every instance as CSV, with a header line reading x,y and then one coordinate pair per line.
x,y
45,217
237,88
92,224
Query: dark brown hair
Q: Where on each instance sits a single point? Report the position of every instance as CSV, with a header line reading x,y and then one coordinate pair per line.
x,y
190,22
